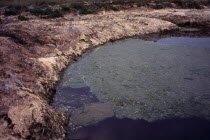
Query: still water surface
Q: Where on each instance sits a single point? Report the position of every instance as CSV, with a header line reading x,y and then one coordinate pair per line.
x,y
161,88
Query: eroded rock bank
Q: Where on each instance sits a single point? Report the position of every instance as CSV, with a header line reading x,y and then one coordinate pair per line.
x,y
34,52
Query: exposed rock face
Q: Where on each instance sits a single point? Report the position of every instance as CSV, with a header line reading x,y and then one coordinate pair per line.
x,y
34,52
32,117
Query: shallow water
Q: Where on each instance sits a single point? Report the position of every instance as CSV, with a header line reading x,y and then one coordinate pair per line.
x,y
142,79
169,78
128,129
186,41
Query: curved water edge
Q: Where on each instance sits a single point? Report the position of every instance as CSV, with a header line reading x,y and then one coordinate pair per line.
x,y
35,71
141,67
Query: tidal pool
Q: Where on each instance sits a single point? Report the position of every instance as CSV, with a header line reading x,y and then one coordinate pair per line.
x,y
141,80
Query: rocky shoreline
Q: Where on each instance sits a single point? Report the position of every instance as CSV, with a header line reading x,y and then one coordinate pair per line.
x,y
33,54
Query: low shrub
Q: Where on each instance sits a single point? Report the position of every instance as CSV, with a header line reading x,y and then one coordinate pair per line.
x,y
65,8
14,10
55,14
188,3
47,12
22,18
11,12
101,5
195,4
113,8
131,5
10,6
83,9
42,3
17,38
78,6
141,4
36,11
19,7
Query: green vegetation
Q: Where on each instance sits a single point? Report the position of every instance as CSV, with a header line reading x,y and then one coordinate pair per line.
x,y
49,9
37,11
101,5
83,9
139,4
49,13
188,3
94,7
29,2
22,18
14,36
42,8
55,14
113,8
78,6
13,10
65,8
193,4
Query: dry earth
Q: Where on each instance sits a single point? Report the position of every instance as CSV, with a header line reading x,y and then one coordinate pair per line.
x,y
34,52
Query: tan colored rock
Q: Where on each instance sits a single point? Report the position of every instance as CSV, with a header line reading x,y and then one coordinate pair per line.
x,y
33,118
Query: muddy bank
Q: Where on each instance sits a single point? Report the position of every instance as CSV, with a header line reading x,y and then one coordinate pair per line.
x,y
34,52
